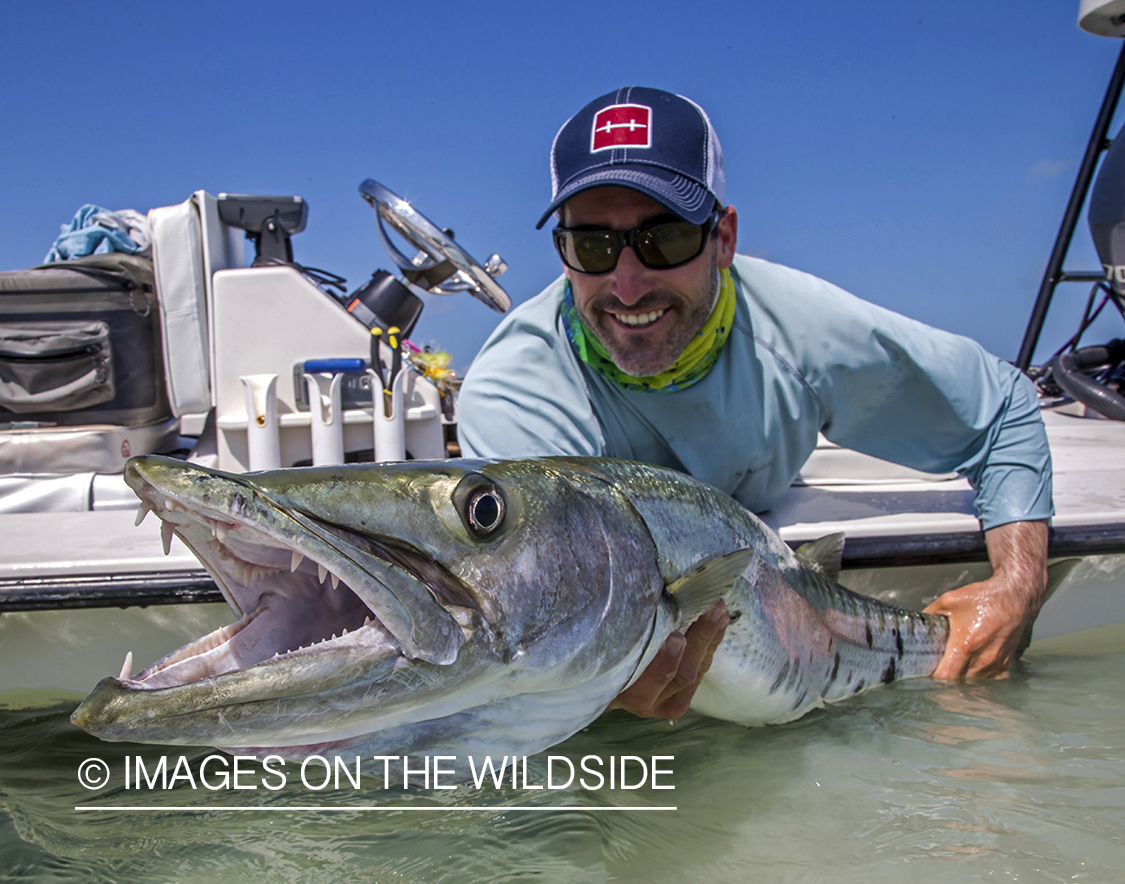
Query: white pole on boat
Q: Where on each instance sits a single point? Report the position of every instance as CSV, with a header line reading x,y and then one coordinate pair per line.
x,y
325,419
388,418
262,437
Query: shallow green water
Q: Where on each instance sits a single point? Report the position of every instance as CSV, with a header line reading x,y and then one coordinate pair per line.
x,y
1022,780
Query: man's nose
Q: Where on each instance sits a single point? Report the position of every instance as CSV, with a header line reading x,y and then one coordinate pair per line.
x,y
629,277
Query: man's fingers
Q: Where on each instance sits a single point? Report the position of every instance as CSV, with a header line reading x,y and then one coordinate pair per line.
x,y
982,635
703,637
666,687
642,697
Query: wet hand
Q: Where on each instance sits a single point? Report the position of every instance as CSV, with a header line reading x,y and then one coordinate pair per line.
x,y
666,687
988,619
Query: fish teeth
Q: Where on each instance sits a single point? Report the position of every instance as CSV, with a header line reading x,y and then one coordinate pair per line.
x,y
220,529
295,563
366,620
127,667
321,572
166,536
143,510
335,581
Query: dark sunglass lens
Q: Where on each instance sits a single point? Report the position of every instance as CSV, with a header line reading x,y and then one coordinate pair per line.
x,y
666,245
590,251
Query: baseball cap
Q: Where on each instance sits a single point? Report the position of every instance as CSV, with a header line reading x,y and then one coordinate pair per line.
x,y
649,140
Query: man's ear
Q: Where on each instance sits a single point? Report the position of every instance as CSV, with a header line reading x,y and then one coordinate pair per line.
x,y
727,234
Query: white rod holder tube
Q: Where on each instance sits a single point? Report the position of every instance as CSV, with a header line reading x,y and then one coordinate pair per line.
x,y
263,441
389,427
325,420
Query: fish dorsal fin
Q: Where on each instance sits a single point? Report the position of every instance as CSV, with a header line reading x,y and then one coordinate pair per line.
x,y
823,555
699,590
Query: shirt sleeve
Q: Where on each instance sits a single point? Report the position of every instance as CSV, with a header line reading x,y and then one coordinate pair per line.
x,y
525,394
900,390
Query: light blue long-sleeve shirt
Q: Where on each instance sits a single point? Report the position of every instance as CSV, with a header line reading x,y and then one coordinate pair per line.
x,y
804,356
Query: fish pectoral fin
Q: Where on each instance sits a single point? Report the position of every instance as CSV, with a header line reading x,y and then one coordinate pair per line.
x,y
824,555
696,592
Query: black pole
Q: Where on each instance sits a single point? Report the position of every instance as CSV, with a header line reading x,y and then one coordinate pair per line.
x,y
1053,275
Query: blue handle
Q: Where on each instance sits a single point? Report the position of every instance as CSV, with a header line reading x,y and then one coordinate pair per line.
x,y
334,366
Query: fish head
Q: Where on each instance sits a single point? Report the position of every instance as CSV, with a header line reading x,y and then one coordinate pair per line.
x,y
381,596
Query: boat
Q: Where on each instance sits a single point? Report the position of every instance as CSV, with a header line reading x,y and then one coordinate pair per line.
x,y
272,366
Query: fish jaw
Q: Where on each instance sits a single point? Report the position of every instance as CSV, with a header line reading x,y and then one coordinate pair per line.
x,y
308,663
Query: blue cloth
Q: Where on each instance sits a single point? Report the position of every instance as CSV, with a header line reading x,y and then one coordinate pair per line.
x,y
86,236
804,356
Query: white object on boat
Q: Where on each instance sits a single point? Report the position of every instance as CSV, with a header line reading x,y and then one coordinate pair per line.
x,y
262,439
326,423
388,418
189,243
1106,18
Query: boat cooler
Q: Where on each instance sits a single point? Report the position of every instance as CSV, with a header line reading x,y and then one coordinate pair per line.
x,y
81,366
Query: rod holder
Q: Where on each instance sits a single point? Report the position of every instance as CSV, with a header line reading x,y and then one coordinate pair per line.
x,y
388,418
262,439
325,418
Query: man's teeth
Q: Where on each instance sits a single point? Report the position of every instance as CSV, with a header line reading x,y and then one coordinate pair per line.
x,y
638,319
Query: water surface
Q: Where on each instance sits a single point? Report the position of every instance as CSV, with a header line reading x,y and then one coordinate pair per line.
x,y
1019,780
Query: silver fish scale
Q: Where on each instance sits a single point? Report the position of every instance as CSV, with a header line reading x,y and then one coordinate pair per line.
x,y
797,639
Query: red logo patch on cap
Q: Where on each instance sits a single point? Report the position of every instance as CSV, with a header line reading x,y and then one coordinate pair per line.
x,y
622,125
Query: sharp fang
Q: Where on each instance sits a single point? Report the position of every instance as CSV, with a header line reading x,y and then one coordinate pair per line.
x,y
295,563
127,667
219,529
335,581
321,572
169,504
366,620
143,510
166,536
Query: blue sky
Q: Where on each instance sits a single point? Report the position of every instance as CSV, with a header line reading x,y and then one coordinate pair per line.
x,y
918,154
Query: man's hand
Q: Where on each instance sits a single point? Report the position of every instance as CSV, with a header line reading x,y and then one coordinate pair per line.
x,y
666,687
988,619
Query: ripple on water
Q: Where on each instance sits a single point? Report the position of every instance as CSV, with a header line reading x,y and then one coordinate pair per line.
x,y
1016,780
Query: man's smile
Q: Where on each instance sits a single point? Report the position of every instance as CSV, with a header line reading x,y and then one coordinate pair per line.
x,y
639,320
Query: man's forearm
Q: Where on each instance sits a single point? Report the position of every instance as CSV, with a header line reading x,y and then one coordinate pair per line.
x,y
988,619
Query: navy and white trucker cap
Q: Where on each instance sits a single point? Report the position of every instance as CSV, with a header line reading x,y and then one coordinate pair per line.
x,y
646,139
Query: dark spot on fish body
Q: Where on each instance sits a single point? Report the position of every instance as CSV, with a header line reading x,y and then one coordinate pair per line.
x,y
898,642
734,616
859,686
781,676
889,672
800,701
835,668
870,641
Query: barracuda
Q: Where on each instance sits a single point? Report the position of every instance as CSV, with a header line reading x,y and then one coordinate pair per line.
x,y
481,607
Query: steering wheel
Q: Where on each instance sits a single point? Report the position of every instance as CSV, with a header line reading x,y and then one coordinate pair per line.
x,y
441,266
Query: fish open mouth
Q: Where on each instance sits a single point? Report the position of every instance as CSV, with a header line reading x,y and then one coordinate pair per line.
x,y
299,587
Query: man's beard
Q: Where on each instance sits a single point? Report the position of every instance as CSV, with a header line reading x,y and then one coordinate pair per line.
x,y
646,363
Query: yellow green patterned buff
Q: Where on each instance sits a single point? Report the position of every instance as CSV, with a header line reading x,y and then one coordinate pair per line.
x,y
690,366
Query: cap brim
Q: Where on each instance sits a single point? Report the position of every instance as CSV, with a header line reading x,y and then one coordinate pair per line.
x,y
682,196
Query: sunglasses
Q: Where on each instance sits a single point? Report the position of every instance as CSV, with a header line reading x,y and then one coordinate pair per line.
x,y
658,245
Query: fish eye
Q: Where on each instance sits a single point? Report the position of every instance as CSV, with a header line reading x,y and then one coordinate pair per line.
x,y
484,510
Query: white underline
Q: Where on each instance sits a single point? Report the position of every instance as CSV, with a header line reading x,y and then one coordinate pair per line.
x,y
336,808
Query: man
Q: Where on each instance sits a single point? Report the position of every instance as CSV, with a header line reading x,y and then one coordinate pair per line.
x,y
660,344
